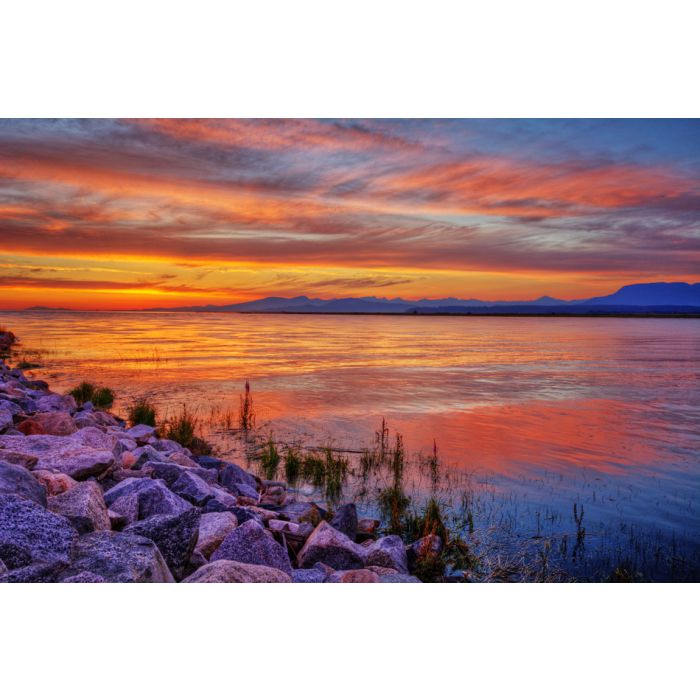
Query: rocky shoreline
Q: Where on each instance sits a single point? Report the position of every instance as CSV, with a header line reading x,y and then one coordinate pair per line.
x,y
86,498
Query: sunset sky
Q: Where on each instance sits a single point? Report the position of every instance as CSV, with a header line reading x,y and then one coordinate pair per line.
x,y
132,214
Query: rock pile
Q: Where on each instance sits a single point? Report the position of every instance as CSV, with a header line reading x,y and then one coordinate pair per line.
x,y
85,499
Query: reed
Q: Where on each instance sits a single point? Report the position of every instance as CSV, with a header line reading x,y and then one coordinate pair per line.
x,y
246,412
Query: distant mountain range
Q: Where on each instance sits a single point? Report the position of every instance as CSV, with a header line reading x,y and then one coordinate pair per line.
x,y
656,297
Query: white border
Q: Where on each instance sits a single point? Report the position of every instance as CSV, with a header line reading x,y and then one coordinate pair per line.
x,y
305,58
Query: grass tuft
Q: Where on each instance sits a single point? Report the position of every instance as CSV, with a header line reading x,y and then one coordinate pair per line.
x,y
83,392
142,412
269,459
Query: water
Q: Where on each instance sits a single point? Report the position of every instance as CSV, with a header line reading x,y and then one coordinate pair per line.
x,y
531,415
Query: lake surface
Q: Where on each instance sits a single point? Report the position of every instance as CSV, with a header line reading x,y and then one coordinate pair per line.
x,y
534,414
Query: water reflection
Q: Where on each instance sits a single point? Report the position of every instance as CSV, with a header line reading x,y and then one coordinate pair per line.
x,y
546,410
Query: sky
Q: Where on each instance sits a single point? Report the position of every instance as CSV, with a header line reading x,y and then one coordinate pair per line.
x,y
127,214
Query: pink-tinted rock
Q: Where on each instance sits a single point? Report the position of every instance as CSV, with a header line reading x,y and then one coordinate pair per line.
x,y
56,483
226,571
354,576
213,528
56,423
84,506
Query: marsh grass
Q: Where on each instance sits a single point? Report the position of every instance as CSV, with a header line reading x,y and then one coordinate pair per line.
x,y
183,428
103,397
269,459
293,465
142,412
83,392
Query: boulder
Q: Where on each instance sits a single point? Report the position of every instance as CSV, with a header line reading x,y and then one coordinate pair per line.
x,y
245,491
145,454
175,535
163,445
64,454
388,551
316,574
143,498
6,420
10,406
231,475
345,520
84,577
141,433
430,545
354,576
34,573
95,438
328,545
31,534
250,543
226,571
304,511
119,558
18,458
184,461
192,488
58,423
15,480
84,506
213,528
56,402
398,578
54,482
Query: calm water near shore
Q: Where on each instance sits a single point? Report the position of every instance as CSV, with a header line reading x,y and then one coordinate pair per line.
x,y
530,415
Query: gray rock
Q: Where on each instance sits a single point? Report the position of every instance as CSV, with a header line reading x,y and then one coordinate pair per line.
x,y
398,578
226,571
10,406
244,490
29,533
56,402
213,528
119,558
163,445
231,475
123,445
345,520
84,506
145,497
325,544
15,480
192,488
175,535
66,454
95,438
141,433
84,577
144,455
306,511
250,543
6,420
34,573
389,552
317,574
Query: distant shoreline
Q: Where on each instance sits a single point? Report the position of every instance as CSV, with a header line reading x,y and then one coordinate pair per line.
x,y
500,314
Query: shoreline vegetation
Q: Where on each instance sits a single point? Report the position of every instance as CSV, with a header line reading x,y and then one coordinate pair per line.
x,y
146,498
